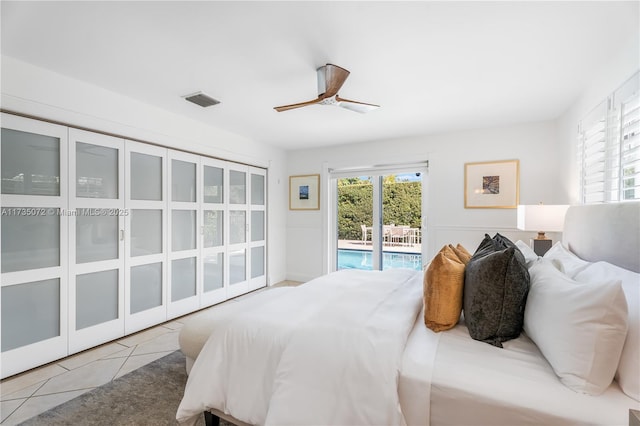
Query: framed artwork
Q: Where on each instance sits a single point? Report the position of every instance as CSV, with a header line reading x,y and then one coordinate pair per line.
x,y
304,192
492,185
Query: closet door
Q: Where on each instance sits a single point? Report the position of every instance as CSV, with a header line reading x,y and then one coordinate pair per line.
x,y
214,215
238,230
33,231
184,221
145,236
258,228
96,233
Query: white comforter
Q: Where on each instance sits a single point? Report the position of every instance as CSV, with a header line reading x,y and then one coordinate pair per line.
x,y
327,352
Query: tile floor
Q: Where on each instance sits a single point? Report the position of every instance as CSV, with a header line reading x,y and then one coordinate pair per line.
x,y
33,392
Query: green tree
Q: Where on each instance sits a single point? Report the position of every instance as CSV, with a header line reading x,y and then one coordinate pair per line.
x,y
402,201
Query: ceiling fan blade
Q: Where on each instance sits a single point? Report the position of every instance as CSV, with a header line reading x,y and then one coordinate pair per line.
x,y
356,106
294,106
334,77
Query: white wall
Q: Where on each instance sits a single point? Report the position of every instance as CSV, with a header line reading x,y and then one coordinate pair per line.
x,y
534,144
35,91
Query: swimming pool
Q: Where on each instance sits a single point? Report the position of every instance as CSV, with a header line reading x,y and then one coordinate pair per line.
x,y
362,259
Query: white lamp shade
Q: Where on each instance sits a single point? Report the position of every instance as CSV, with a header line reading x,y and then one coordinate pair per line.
x,y
541,217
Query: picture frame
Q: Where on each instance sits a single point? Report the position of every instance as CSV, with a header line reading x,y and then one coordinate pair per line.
x,y
304,192
492,185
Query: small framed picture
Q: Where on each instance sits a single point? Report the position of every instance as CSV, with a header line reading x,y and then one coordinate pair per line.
x,y
492,185
304,192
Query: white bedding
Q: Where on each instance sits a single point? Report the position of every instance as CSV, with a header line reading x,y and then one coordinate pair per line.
x,y
512,386
414,387
311,355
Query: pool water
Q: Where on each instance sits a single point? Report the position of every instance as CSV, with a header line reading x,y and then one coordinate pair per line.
x,y
362,259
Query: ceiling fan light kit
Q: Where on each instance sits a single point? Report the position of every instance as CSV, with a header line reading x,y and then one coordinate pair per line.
x,y
330,80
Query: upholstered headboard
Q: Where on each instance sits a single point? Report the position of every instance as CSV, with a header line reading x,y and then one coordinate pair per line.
x,y
609,232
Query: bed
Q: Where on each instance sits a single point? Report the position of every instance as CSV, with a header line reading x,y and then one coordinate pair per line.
x,y
334,351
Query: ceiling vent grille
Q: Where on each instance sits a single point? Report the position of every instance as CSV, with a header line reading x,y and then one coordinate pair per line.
x,y
201,99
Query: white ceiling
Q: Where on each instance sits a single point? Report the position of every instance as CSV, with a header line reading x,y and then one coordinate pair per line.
x,y
432,66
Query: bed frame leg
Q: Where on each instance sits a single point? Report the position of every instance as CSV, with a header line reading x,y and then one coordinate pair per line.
x,y
210,419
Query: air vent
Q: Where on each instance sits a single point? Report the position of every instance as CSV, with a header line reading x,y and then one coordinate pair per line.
x,y
201,99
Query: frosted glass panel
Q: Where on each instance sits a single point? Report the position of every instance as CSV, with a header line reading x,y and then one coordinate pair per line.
x,y
213,185
146,177
237,266
30,240
237,226
213,272
96,171
183,181
257,261
257,226
146,287
96,235
30,313
96,298
213,228
146,232
183,231
257,190
237,187
183,278
30,163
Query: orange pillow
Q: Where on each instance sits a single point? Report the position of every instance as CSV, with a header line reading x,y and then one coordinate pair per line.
x,y
443,289
462,253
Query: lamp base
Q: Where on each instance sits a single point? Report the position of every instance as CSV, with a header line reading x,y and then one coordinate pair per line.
x,y
540,247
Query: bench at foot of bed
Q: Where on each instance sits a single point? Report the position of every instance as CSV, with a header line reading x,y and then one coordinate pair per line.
x,y
210,419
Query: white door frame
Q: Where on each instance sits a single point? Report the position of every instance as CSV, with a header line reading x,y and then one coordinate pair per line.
x,y
330,176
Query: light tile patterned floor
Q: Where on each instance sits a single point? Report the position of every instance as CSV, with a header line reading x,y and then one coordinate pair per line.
x,y
31,393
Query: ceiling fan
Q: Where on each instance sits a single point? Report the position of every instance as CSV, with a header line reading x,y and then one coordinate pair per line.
x,y
330,80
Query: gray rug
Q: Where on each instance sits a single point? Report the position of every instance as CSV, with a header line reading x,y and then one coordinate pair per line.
x,y
149,395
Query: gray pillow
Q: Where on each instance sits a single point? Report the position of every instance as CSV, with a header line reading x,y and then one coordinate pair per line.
x,y
502,241
496,285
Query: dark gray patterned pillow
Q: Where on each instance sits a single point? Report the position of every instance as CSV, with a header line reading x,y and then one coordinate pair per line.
x,y
495,291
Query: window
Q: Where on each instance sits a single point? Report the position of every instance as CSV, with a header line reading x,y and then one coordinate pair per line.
x,y
609,147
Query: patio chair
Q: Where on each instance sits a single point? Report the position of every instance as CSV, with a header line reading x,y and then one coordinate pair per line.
x,y
399,234
366,232
386,233
415,236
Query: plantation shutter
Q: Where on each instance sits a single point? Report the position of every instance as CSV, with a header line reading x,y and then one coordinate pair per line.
x,y
593,140
627,101
609,147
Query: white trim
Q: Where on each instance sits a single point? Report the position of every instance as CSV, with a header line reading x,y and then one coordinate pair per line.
x,y
217,295
142,319
191,303
379,169
28,356
98,333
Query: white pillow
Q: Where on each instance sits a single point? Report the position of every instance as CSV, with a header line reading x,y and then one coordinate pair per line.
x,y
579,328
628,373
564,260
530,256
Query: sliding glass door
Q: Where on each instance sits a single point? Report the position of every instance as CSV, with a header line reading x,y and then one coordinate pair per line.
x,y
355,223
402,220
379,220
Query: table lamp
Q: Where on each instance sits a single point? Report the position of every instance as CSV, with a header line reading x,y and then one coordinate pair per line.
x,y
541,218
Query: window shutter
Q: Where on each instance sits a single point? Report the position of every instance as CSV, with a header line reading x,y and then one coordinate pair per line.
x,y
627,102
609,147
